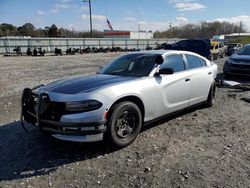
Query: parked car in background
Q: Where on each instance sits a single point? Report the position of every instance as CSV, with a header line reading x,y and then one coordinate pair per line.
x,y
232,48
134,90
218,50
199,46
238,63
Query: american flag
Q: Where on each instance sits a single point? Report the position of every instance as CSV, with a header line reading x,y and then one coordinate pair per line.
x,y
109,25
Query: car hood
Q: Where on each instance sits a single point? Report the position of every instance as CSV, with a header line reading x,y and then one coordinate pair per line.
x,y
238,57
85,84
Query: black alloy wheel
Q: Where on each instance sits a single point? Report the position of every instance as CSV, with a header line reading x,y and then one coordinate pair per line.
x,y
124,124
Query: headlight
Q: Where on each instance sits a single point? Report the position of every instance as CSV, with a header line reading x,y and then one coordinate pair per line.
x,y
82,106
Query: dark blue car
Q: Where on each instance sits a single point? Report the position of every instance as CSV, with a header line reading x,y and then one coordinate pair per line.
x,y
238,63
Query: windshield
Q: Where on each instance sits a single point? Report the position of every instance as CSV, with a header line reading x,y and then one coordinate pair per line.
x,y
244,51
130,65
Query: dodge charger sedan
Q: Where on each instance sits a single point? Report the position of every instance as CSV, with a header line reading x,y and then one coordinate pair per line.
x,y
115,103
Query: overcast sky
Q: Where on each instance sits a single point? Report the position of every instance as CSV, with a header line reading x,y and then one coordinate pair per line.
x,y
123,14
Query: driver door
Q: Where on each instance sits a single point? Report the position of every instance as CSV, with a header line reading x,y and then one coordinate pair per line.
x,y
173,89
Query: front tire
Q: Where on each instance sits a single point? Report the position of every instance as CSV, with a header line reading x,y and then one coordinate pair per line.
x,y
124,124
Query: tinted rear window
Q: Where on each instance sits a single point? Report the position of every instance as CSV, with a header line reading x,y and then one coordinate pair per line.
x,y
195,62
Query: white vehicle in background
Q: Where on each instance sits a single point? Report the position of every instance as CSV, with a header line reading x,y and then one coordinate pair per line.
x,y
135,89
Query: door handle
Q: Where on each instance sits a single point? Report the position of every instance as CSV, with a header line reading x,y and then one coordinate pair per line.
x,y
209,73
187,79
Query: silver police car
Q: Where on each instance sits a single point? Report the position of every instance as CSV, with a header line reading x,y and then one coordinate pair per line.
x,y
132,91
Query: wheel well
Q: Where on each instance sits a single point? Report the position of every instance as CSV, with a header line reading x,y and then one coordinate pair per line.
x,y
133,99
212,87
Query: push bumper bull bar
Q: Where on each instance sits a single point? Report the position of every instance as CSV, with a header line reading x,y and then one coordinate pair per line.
x,y
28,112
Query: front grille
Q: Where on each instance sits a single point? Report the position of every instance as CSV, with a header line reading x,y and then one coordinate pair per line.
x,y
240,68
238,61
241,64
49,110
241,71
54,111
43,102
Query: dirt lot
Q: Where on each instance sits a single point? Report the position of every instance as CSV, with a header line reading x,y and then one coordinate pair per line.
x,y
203,147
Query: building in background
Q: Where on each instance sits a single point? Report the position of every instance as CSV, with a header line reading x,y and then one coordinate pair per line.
x,y
128,34
236,36
218,37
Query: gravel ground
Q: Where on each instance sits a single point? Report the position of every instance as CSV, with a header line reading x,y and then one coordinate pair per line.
x,y
202,147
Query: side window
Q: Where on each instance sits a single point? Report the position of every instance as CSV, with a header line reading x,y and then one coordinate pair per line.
x,y
216,46
175,62
195,62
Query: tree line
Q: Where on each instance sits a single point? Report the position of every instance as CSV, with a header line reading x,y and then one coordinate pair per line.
x,y
199,30
29,29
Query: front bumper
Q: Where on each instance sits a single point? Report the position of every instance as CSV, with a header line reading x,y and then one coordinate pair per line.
x,y
236,69
39,111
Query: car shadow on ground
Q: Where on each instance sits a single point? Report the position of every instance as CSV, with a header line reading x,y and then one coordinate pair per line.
x,y
26,155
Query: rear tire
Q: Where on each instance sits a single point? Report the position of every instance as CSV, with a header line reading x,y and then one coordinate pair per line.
x,y
211,95
124,124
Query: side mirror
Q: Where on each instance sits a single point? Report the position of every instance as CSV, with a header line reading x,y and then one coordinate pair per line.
x,y
165,71
159,60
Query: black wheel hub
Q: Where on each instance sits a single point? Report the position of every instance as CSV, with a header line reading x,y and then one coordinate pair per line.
x,y
125,124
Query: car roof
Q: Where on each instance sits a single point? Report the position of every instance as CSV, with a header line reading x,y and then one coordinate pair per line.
x,y
163,52
156,52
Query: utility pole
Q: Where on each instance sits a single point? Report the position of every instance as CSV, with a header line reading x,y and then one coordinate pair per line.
x,y
8,41
240,27
139,30
170,29
90,17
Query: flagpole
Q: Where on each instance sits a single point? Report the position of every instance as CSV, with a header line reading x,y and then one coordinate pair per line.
x,y
90,17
